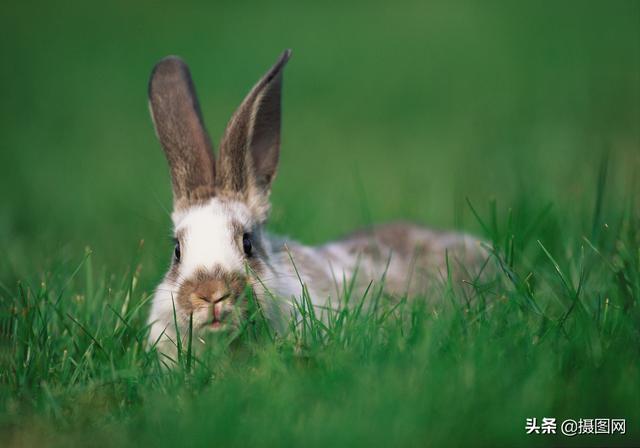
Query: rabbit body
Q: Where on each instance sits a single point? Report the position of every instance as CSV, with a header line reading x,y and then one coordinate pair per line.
x,y
223,252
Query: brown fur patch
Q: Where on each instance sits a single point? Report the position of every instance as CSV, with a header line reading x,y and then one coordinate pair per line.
x,y
417,255
377,240
207,287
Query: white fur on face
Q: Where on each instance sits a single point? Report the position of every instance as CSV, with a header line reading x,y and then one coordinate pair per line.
x,y
208,237
208,241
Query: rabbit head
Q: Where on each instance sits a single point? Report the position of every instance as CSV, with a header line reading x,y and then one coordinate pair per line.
x,y
219,206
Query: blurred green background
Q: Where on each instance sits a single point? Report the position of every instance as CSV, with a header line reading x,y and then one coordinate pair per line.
x,y
391,110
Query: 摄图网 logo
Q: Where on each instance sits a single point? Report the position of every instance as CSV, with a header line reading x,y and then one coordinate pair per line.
x,y
570,427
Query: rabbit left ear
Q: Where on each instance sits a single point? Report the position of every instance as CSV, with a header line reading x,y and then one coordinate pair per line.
x,y
250,147
180,128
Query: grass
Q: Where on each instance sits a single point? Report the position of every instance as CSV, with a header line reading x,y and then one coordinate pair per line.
x,y
554,334
518,124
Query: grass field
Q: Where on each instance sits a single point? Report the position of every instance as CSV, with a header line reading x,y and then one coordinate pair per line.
x,y
517,123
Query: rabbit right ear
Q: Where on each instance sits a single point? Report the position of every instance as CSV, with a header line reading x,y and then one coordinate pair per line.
x,y
179,126
250,146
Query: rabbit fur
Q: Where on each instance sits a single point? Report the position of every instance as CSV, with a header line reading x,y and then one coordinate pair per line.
x,y
220,208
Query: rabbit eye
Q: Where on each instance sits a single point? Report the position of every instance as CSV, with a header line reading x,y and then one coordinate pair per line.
x,y
246,244
176,251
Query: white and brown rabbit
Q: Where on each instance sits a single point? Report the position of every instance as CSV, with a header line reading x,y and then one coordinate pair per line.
x,y
219,212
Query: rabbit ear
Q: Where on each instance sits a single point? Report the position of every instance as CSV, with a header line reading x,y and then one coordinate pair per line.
x,y
250,146
178,122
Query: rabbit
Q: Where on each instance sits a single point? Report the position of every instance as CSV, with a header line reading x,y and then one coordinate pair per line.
x,y
220,208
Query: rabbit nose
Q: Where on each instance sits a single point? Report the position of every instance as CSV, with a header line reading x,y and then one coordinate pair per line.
x,y
221,297
212,291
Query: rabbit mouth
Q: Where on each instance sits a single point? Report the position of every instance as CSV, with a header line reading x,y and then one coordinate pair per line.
x,y
215,325
219,316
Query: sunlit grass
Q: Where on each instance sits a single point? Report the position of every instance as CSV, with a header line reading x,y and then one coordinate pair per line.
x,y
553,331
